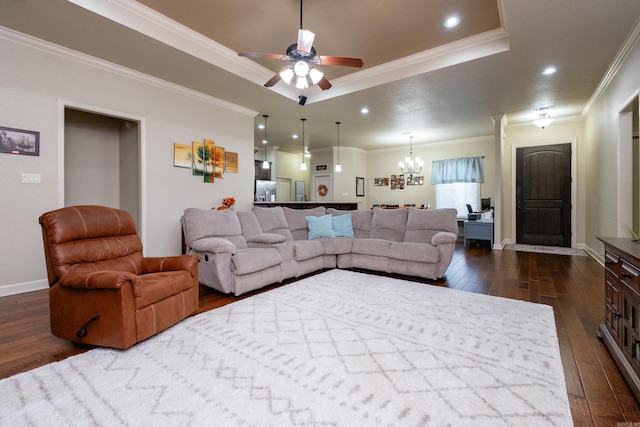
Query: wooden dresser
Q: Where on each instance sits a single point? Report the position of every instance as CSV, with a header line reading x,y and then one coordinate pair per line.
x,y
621,328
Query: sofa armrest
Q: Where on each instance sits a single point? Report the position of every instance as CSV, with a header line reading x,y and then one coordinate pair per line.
x,y
443,237
99,280
216,245
171,263
268,238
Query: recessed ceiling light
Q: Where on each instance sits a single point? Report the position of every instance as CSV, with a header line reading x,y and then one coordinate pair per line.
x,y
549,70
364,110
261,126
452,21
294,136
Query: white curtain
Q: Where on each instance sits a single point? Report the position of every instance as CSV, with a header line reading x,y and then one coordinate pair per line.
x,y
462,169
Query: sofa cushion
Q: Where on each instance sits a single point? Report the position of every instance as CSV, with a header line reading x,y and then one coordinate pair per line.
x,y
341,225
250,260
337,246
423,224
159,286
249,224
389,224
411,251
307,249
272,220
319,226
377,247
202,223
296,219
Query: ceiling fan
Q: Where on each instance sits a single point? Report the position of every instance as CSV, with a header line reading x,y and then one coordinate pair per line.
x,y
304,57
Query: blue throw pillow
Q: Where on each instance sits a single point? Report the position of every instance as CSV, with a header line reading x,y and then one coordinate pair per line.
x,y
342,226
319,226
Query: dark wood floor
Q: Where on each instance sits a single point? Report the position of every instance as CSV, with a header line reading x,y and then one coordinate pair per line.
x,y
573,285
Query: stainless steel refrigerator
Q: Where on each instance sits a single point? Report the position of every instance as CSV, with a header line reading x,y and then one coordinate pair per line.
x,y
265,191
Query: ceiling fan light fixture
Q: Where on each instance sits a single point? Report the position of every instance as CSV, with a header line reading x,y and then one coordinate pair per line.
x,y
315,75
287,75
305,40
302,83
301,68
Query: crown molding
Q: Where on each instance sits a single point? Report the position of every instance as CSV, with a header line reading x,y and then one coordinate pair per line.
x,y
457,52
145,20
614,68
62,52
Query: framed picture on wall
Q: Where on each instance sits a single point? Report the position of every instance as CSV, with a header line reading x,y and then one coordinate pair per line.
x,y
208,160
18,141
230,162
182,155
359,186
198,155
218,161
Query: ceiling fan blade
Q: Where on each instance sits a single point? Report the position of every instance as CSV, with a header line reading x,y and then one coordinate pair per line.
x,y
305,40
324,84
340,60
273,80
261,55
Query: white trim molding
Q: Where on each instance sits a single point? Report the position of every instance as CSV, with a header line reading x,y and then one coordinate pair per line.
x,y
20,288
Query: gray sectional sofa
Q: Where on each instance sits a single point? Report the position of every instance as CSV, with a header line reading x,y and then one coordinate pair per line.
x,y
241,251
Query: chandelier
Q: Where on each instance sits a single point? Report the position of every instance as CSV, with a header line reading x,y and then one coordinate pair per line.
x,y
411,165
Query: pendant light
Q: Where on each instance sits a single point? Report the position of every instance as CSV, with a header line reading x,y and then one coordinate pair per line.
x,y
265,164
338,167
303,165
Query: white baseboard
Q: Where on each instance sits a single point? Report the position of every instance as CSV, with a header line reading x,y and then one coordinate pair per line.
x,y
20,288
595,255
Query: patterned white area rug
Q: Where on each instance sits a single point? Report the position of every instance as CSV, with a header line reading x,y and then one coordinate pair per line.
x,y
339,348
555,250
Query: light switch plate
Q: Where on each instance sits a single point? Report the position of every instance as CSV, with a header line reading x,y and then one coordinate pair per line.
x,y
31,178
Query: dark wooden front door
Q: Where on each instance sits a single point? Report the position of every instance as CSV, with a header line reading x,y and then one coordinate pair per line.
x,y
543,195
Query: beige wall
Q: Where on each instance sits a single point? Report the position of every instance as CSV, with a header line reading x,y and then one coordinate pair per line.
x,y
36,84
288,167
608,211
384,163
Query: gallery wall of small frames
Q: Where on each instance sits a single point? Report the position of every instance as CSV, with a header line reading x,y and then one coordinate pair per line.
x,y
205,159
397,182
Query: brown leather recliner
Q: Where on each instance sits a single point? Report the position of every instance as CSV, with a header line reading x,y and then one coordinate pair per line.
x,y
102,290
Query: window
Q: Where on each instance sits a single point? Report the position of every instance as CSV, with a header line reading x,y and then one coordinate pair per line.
x,y
457,195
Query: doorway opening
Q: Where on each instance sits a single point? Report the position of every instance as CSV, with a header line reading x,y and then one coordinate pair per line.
x,y
101,161
628,192
544,195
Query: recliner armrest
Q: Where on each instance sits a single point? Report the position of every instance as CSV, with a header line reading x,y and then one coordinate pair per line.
x,y
171,263
268,238
99,280
443,237
216,245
